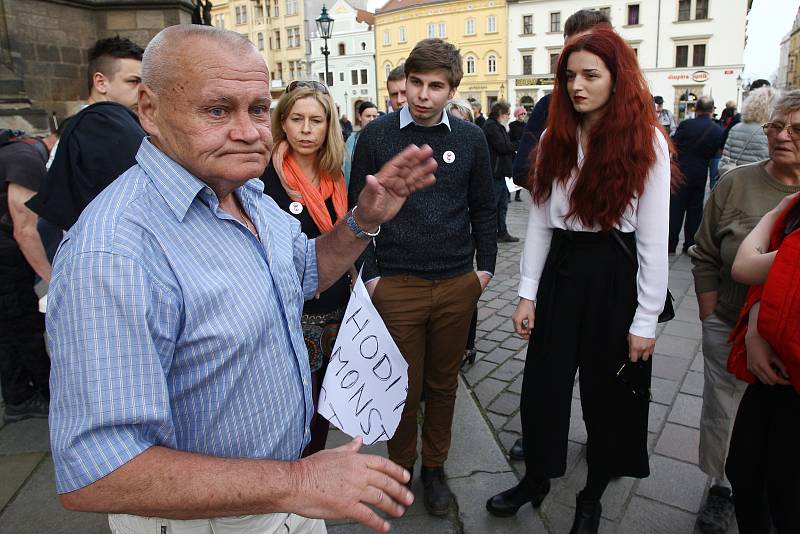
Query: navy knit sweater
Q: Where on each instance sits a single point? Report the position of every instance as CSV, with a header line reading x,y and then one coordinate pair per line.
x,y
438,230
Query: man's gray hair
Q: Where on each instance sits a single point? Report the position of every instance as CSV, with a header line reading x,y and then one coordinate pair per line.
x,y
159,62
705,104
787,104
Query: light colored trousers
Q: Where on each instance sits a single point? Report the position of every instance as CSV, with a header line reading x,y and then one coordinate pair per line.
x,y
246,524
722,392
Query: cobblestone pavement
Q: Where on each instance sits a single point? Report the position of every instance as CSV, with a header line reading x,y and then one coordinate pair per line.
x,y
485,425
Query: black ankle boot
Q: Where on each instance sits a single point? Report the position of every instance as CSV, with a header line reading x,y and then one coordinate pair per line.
x,y
507,503
587,517
436,493
517,451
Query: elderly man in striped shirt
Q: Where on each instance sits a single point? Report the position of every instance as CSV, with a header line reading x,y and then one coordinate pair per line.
x,y
181,396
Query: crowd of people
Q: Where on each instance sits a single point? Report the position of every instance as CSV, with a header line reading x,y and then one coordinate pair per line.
x,y
207,247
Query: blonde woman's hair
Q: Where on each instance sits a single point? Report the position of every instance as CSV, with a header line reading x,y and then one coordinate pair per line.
x,y
758,105
331,153
462,106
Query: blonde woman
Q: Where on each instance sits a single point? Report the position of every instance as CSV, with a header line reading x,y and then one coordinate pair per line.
x,y
304,177
461,109
746,141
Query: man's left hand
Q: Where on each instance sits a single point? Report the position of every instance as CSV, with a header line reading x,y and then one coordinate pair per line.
x,y
386,191
484,279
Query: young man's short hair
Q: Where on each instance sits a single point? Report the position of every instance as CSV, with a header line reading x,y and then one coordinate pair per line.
x,y
103,54
397,73
583,20
433,54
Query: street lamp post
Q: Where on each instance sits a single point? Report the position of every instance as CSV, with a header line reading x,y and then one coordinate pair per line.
x,y
325,28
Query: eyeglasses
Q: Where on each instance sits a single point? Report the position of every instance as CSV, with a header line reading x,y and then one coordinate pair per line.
x,y
775,128
312,84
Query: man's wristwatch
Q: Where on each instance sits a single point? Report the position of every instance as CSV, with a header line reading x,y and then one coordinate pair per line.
x,y
350,221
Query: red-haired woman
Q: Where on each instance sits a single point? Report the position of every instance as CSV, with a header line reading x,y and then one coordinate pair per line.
x,y
601,182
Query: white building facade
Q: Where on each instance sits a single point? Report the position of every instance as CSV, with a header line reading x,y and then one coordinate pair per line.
x,y
686,48
351,63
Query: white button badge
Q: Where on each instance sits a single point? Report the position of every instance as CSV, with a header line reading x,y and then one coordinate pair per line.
x,y
449,157
296,208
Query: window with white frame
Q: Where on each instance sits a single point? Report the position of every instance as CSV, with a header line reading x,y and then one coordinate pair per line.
x,y
692,10
341,76
633,14
401,35
260,41
220,21
275,8
442,30
387,68
258,13
554,61
277,39
241,15
695,51
431,30
491,64
386,39
293,36
353,77
555,22
291,7
527,64
491,24
469,27
527,25
342,49
470,64
363,73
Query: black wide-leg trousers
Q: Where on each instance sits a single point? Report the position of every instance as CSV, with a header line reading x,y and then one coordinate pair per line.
x,y
585,304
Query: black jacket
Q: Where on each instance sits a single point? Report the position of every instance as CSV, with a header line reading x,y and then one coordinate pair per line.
x,y
501,148
696,141
98,145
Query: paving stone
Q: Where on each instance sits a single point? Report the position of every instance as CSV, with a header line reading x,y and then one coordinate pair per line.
x,y
505,404
650,517
669,367
614,499
698,363
498,421
36,510
14,470
686,410
676,346
516,385
515,343
506,312
514,424
679,442
472,494
663,390
693,384
403,525
485,345
496,303
484,313
30,435
675,483
689,330
498,355
658,413
507,440
478,372
687,315
522,354
488,389
508,371
558,517
493,323
577,429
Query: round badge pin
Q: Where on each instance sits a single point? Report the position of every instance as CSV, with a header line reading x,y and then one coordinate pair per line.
x,y
296,208
449,157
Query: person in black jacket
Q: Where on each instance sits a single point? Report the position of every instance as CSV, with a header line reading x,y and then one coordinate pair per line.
x,y
501,152
101,141
696,141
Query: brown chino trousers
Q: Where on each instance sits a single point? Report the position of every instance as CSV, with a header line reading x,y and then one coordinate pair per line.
x,y
429,320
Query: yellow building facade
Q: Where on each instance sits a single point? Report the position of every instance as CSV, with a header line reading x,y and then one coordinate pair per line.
x,y
276,28
477,27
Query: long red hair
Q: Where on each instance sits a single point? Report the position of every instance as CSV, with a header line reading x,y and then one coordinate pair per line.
x,y
621,148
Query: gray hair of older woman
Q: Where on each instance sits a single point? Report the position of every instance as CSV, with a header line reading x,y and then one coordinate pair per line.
x,y
758,105
463,107
786,104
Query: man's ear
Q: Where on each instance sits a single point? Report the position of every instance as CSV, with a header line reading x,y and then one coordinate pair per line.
x,y
148,110
100,83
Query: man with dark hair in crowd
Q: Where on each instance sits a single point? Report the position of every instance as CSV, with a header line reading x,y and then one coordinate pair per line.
x,y
419,270
501,152
101,141
579,22
396,86
515,130
24,364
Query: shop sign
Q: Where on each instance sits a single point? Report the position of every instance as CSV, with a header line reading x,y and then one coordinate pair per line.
x,y
524,82
700,76
728,71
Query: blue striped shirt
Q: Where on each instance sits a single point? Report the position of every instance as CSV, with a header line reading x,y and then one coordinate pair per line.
x,y
171,324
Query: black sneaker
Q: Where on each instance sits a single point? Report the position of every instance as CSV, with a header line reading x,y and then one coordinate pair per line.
x,y
717,512
36,407
506,238
437,494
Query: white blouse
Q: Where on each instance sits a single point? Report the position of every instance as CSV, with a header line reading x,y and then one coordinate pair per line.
x,y
648,216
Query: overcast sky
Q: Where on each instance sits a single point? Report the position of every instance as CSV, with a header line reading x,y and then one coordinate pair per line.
x,y
768,22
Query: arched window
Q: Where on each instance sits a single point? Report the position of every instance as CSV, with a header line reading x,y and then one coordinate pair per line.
x,y
469,27
341,49
491,64
470,64
363,46
387,68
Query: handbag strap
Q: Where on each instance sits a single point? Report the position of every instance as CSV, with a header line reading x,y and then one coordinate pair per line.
x,y
741,152
627,250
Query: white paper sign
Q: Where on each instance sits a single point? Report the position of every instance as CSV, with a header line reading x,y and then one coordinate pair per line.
x,y
511,186
366,383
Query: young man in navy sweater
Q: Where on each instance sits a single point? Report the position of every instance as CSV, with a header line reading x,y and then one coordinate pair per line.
x,y
419,269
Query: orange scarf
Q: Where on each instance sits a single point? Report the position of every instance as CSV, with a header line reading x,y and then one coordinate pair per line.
x,y
300,189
